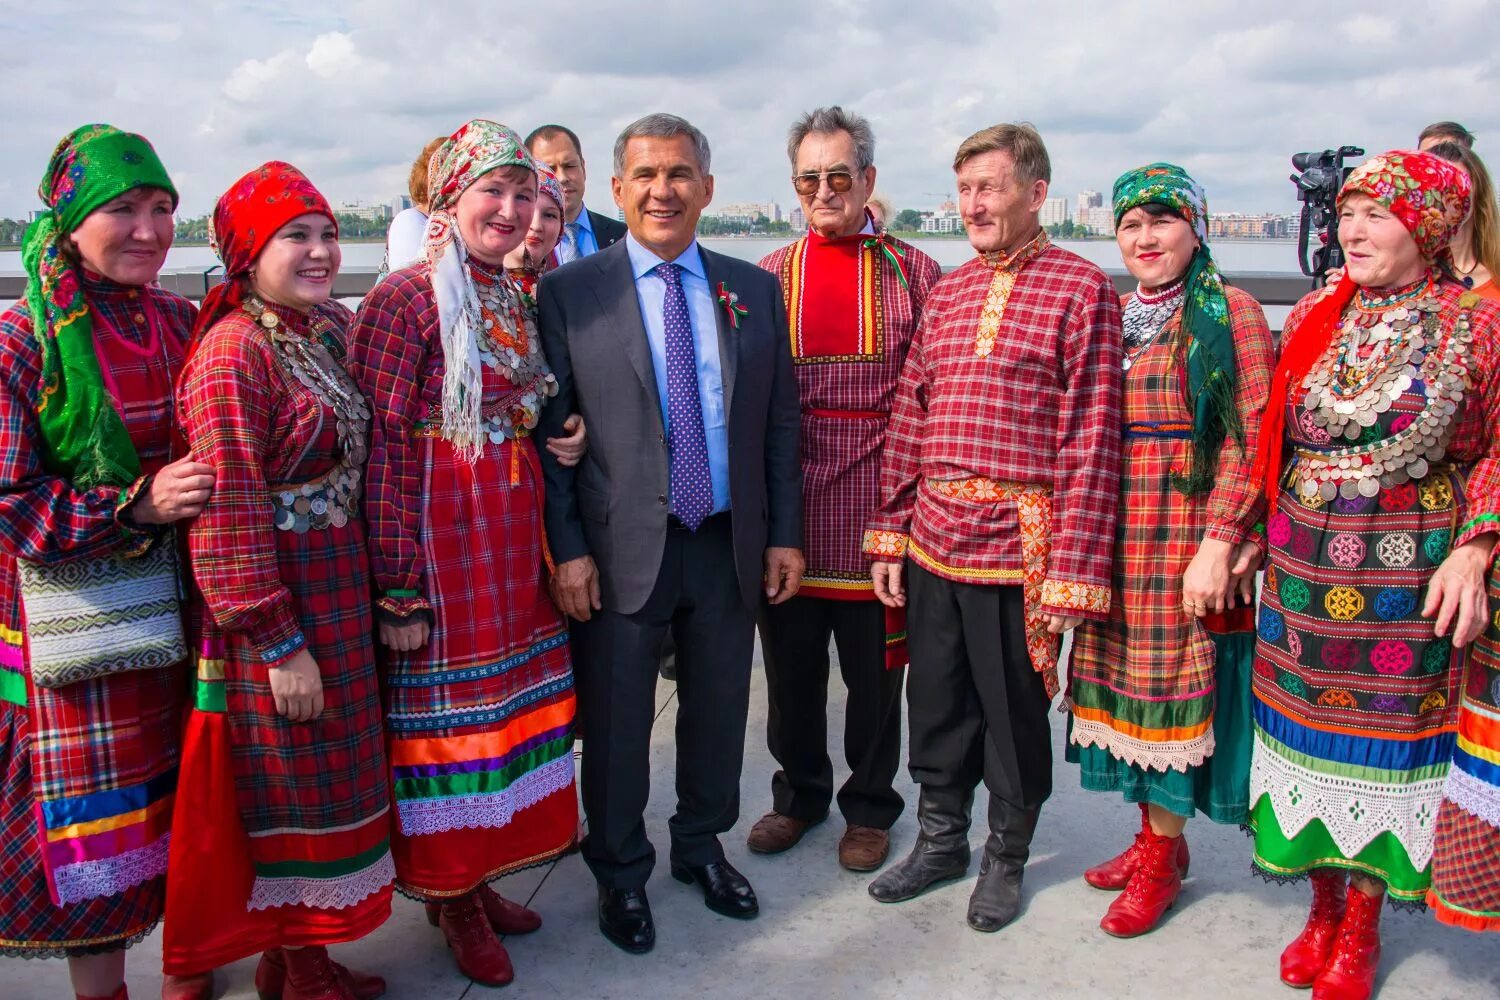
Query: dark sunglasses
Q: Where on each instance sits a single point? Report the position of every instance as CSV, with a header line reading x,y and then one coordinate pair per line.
x,y
839,181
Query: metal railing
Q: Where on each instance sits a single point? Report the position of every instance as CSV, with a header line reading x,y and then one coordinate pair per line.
x,y
1268,288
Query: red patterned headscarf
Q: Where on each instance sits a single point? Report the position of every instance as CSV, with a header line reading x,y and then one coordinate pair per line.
x,y
252,211
1430,197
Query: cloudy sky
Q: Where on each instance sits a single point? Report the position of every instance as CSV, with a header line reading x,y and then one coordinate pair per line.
x,y
350,91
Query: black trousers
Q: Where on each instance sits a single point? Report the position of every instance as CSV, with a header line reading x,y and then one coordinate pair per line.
x,y
794,637
978,711
616,662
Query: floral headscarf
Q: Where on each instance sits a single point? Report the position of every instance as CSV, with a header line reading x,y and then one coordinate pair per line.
x,y
1205,316
246,217
83,435
1427,193
1430,196
548,184
473,151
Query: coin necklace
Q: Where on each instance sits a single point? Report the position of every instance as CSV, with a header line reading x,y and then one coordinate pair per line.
x,y
333,497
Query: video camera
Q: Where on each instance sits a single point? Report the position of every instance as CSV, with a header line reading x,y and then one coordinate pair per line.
x,y
1318,181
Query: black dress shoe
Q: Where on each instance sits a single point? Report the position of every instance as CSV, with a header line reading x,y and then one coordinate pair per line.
x,y
625,919
725,891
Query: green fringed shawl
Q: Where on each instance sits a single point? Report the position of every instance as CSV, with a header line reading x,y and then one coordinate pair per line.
x,y
83,436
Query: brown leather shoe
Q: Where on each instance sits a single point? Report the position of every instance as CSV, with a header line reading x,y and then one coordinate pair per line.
x,y
774,833
864,848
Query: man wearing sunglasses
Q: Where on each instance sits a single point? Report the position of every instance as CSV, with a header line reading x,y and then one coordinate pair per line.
x,y
853,298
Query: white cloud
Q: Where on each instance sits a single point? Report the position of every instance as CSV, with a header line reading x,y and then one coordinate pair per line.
x,y
252,78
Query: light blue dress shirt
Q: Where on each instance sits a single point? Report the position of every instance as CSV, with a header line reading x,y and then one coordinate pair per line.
x,y
587,243
651,291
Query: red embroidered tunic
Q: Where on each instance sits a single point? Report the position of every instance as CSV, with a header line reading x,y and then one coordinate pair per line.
x,y
1007,399
851,320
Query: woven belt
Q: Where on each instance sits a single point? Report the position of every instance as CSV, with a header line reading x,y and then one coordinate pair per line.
x,y
1148,429
979,489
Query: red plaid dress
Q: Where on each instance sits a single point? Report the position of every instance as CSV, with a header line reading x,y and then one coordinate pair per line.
x,y
71,751
1142,685
283,827
1001,462
479,722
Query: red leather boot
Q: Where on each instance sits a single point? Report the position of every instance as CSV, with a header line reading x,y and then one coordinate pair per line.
x,y
1350,973
506,916
479,954
270,978
1115,873
199,987
1305,957
311,975
1150,892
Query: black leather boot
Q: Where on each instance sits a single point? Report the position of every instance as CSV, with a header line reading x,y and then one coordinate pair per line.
x,y
997,895
941,852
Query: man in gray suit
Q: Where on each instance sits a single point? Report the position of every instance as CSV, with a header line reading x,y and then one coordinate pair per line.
x,y
687,507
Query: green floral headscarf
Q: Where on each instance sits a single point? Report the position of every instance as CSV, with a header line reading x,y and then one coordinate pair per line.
x,y
83,437
1205,318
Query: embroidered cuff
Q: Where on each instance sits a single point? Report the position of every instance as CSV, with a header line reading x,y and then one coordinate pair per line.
x,y
1069,597
885,546
137,537
1477,526
402,603
279,636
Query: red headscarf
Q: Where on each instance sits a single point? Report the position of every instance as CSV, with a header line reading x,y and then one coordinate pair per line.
x,y
1430,197
252,211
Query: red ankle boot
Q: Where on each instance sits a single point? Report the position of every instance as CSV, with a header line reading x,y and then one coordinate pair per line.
x,y
505,916
270,978
1350,973
1115,873
311,975
199,987
479,954
1150,892
119,994
1305,957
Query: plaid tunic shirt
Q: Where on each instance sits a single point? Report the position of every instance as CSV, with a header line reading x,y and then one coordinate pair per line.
x,y
841,432
396,357
244,414
1041,408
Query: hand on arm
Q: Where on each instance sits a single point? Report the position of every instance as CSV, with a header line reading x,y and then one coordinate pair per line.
x,y
180,490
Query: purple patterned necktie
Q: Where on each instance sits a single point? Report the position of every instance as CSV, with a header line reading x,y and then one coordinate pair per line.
x,y
692,486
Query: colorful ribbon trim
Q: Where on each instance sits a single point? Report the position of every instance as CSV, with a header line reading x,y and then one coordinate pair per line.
x,y
731,303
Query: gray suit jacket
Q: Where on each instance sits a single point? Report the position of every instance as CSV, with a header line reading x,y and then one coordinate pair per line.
x,y
613,505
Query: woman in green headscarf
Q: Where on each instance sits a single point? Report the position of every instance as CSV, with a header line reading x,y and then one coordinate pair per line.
x,y
1159,693
87,362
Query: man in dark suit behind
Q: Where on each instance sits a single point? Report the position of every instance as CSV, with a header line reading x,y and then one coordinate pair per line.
x,y
687,506
584,232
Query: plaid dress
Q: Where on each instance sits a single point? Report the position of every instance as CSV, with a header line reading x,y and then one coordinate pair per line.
x,y
1466,845
1143,686
1355,698
88,771
284,827
479,721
